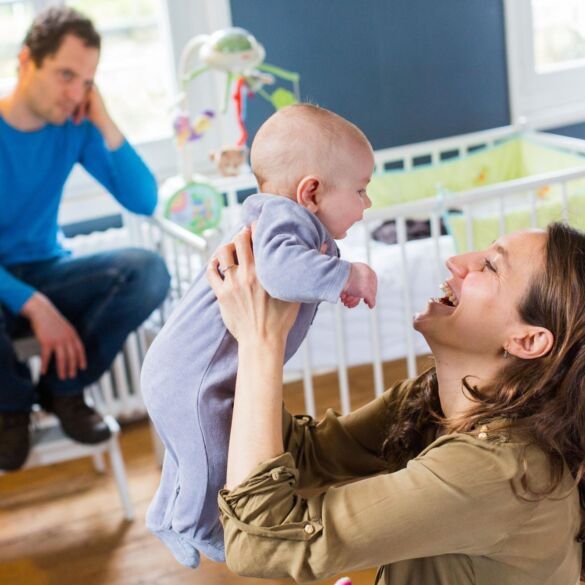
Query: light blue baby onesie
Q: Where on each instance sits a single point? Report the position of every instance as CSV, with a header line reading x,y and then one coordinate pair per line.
x,y
188,377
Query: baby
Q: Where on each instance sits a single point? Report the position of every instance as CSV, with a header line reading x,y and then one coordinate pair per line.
x,y
312,168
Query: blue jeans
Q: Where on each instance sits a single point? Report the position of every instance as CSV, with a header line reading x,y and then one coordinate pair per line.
x,y
104,296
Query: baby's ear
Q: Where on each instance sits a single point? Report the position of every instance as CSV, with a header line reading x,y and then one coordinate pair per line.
x,y
307,193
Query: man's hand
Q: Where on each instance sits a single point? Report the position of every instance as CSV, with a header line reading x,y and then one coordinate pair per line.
x,y
56,336
94,109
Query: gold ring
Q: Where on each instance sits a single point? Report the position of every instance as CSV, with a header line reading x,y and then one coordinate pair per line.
x,y
224,270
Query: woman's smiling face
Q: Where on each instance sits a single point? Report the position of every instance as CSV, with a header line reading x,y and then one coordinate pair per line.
x,y
485,289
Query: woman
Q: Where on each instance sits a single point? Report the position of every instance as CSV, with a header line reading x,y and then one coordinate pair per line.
x,y
469,474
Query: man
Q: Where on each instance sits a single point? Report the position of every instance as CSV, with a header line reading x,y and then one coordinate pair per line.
x,y
79,309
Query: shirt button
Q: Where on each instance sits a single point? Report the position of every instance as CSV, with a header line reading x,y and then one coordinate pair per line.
x,y
309,528
275,475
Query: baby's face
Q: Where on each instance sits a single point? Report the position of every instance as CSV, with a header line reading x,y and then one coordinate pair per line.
x,y
344,203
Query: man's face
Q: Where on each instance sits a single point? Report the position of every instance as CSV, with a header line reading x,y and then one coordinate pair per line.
x,y
60,84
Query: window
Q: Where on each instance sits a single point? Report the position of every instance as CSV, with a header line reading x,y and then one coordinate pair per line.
x,y
546,61
558,34
15,17
134,73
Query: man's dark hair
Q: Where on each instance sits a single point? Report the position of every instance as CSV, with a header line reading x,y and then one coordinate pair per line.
x,y
51,26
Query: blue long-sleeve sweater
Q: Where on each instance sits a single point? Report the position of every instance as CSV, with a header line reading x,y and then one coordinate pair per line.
x,y
33,169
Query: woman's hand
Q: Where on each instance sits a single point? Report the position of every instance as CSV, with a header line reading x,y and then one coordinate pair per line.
x,y
248,312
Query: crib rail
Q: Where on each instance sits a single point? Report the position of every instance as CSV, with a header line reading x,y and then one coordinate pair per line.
x,y
433,210
424,207
186,253
573,145
434,151
467,201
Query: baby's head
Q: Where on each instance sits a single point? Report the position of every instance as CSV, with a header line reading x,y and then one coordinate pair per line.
x,y
317,158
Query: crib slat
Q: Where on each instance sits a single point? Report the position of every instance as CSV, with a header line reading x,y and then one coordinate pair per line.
x,y
469,227
134,226
410,353
189,259
177,266
233,207
341,360
502,218
374,327
533,209
377,353
565,202
232,198
153,236
436,234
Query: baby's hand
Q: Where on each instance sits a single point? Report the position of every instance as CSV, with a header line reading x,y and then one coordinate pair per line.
x,y
361,284
349,301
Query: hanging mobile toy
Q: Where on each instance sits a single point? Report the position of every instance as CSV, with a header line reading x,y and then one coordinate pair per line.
x,y
236,52
187,131
240,98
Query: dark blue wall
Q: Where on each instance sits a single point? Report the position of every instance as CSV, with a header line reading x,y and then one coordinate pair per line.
x,y
575,130
402,70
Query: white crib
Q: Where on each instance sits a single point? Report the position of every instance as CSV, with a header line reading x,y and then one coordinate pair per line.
x,y
409,271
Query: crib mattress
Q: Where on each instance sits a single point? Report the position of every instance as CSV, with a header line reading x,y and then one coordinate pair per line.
x,y
424,276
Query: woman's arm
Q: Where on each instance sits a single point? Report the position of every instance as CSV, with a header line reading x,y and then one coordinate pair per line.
x,y
455,499
256,433
339,448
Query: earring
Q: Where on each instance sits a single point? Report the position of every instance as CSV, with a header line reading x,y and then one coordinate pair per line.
x,y
505,354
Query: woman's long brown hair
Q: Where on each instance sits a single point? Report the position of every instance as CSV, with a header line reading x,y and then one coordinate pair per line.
x,y
543,397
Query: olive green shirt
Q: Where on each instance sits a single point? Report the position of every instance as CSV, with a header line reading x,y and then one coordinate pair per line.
x,y
455,515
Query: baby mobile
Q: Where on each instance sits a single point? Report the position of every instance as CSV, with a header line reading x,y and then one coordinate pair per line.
x,y
237,53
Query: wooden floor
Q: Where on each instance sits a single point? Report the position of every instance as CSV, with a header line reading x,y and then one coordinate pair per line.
x,y
63,524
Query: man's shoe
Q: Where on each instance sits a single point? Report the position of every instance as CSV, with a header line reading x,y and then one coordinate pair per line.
x,y
78,420
14,439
